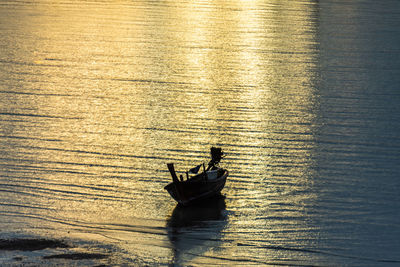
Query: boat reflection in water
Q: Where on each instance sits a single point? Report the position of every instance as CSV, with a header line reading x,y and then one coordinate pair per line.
x,y
196,229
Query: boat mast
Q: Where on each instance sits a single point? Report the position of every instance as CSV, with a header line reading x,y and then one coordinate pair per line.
x,y
171,169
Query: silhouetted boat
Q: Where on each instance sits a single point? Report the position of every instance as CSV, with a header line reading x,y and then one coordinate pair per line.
x,y
200,186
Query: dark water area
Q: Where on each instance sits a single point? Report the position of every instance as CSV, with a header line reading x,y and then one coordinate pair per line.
x,y
96,97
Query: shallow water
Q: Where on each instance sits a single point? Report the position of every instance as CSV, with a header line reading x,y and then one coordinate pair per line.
x,y
303,96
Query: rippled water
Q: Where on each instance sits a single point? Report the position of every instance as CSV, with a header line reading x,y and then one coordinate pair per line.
x,y
303,96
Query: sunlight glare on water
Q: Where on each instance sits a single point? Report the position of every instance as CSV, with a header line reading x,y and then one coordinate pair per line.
x,y
96,97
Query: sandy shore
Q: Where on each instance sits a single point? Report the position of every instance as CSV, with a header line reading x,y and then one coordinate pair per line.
x,y
33,252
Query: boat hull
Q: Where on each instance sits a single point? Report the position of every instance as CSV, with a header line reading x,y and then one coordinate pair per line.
x,y
188,192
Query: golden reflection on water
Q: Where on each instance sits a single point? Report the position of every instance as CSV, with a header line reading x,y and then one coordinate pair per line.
x,y
128,87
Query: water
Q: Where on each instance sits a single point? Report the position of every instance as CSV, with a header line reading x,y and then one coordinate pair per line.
x,y
303,96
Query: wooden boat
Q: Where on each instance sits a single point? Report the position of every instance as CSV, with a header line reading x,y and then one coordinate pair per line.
x,y
200,186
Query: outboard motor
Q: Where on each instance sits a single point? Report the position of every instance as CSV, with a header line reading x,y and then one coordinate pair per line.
x,y
216,156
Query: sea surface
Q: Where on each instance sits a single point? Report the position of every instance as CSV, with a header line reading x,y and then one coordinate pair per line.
x,y
96,97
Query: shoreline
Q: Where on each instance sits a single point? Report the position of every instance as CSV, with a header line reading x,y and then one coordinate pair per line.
x,y
33,251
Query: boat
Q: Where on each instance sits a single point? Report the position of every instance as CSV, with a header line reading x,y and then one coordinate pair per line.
x,y
198,186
